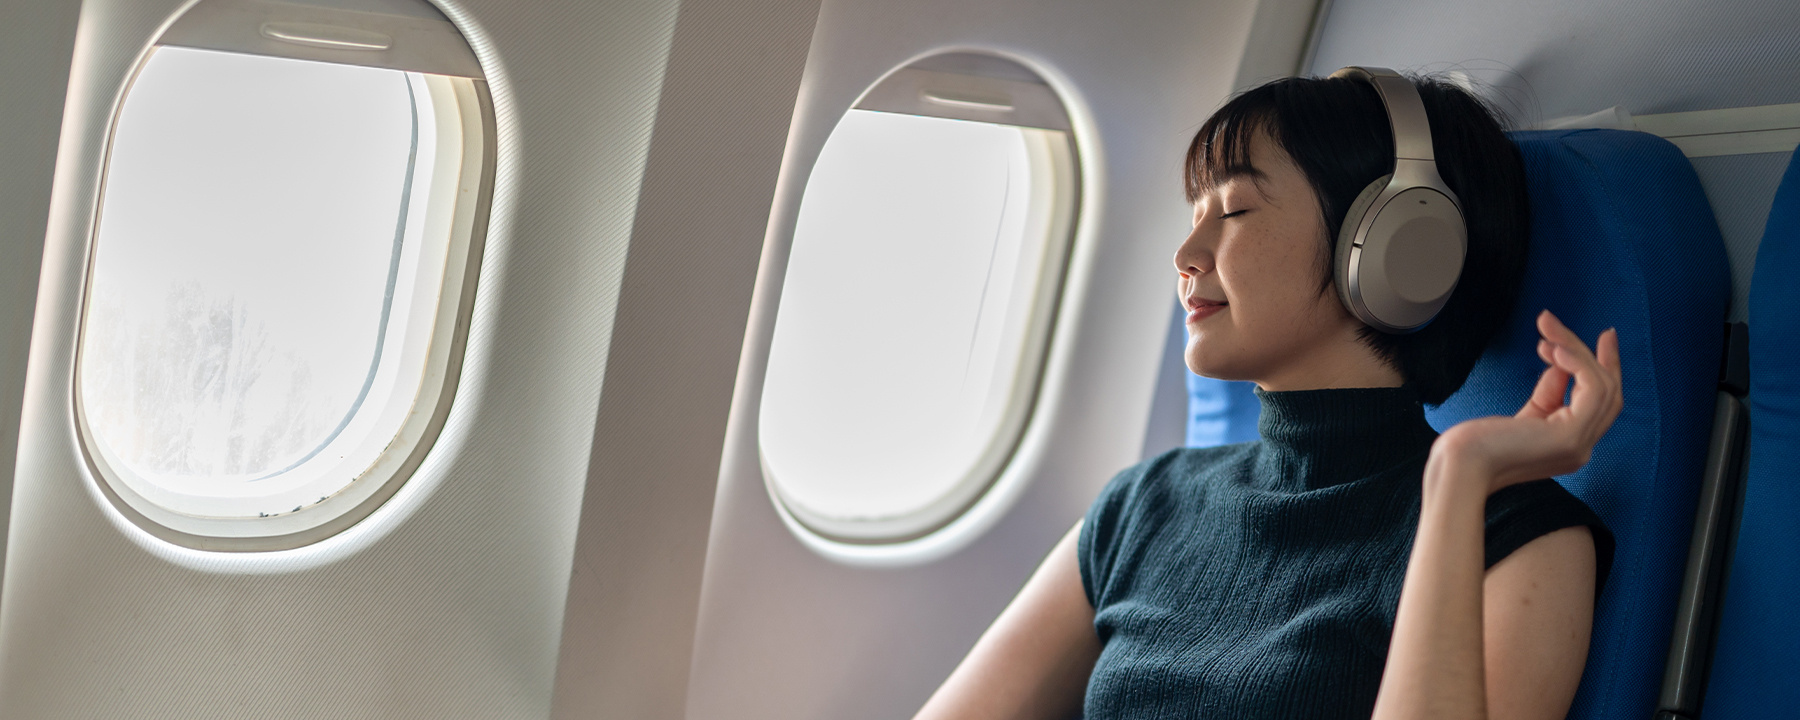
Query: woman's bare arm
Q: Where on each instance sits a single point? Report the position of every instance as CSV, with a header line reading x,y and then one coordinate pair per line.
x,y
1537,616
1508,643
1034,661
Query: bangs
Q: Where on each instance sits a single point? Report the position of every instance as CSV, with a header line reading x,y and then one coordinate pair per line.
x,y
1221,150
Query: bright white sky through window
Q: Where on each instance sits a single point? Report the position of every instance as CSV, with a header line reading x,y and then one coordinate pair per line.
x,y
903,314
247,235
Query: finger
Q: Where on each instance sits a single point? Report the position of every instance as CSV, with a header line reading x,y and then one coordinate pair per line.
x,y
1547,396
1606,350
1561,336
1596,398
1579,361
1608,354
1589,377
1543,350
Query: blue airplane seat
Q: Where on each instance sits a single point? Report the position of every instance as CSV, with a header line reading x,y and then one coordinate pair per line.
x,y
1622,236
1220,411
1757,654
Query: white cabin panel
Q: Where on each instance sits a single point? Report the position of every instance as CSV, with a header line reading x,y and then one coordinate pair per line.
x,y
448,600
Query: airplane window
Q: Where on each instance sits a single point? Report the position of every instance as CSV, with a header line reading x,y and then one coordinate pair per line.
x,y
914,315
276,290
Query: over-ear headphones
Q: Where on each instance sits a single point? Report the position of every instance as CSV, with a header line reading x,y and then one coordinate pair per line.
x,y
1401,248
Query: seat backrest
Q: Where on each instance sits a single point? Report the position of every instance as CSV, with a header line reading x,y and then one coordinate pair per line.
x,y
1757,653
1622,236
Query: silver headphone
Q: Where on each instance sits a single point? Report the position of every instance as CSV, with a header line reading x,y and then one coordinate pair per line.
x,y
1401,248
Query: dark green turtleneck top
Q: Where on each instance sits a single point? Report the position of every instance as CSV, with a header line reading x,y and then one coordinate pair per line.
x,y
1260,580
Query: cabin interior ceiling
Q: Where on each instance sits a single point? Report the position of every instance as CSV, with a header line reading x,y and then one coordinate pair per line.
x,y
1543,59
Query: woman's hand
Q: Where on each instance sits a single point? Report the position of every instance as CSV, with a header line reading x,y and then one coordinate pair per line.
x,y
1546,437
1440,663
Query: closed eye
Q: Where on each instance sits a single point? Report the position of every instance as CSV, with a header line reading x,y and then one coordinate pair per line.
x,y
1234,214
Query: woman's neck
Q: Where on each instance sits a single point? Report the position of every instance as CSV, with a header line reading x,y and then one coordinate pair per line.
x,y
1343,364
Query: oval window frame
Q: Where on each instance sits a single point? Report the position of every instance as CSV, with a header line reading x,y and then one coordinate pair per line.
x,y
989,87
426,43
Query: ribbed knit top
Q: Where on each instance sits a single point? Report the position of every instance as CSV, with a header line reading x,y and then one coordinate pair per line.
x,y
1260,580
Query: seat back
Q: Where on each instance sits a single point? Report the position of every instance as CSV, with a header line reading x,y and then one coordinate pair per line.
x,y
1757,653
1622,236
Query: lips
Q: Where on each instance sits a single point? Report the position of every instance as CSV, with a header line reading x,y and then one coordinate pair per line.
x,y
1195,302
1200,308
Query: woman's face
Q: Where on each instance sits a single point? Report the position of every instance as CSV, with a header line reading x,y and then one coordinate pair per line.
x,y
1249,277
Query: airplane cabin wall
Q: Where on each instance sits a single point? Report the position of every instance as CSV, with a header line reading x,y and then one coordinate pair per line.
x,y
36,42
721,126
1544,59
447,601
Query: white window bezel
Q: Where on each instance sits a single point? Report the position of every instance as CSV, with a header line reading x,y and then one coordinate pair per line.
x,y
1014,96
456,208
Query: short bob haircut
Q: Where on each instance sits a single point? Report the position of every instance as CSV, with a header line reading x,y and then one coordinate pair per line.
x,y
1337,133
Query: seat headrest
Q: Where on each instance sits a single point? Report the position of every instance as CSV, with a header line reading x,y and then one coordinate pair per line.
x,y
1622,236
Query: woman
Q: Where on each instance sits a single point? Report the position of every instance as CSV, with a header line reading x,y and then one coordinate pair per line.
x,y
1351,562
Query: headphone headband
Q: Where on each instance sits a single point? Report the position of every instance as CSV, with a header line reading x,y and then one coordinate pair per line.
x,y
1406,112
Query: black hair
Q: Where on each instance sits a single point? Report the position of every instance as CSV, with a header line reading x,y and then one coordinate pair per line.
x,y
1337,133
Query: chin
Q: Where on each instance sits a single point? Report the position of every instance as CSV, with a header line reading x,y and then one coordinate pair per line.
x,y
1212,365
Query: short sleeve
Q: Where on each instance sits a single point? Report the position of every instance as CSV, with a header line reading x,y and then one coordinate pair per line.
x,y
1519,514
1136,499
1097,545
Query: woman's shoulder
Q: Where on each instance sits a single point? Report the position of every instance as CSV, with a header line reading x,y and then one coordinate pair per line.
x,y
1142,498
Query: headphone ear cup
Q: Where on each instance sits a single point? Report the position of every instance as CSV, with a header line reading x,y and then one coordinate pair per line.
x,y
1340,260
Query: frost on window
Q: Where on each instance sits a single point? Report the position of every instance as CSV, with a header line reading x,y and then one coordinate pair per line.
x,y
253,246
905,348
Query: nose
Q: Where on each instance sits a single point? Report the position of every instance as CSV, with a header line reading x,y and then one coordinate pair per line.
x,y
1195,255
